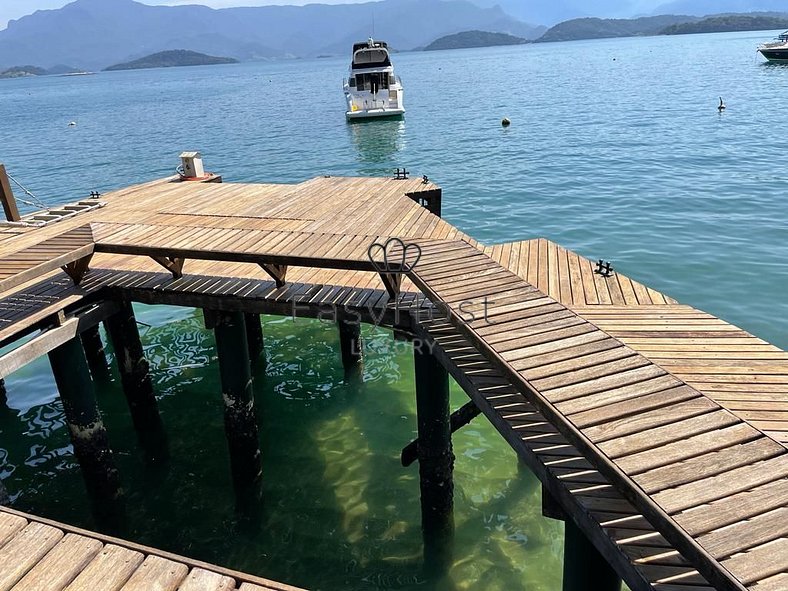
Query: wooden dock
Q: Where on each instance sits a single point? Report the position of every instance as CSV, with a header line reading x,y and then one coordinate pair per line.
x,y
657,430
41,555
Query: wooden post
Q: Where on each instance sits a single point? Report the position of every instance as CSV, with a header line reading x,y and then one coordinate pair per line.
x,y
350,343
5,498
88,434
7,197
255,339
240,420
585,569
136,381
436,460
95,354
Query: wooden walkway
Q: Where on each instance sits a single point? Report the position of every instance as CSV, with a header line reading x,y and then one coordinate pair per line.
x,y
42,555
661,429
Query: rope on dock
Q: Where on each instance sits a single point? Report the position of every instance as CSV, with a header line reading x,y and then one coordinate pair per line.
x,y
36,201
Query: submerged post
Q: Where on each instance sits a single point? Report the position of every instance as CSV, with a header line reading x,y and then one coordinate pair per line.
x,y
350,343
585,569
94,353
5,498
255,340
136,381
240,419
88,434
436,459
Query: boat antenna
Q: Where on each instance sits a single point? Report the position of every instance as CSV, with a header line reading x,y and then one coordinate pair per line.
x,y
373,22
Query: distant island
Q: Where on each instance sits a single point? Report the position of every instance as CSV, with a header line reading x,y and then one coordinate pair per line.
x,y
728,23
31,71
468,39
606,28
172,59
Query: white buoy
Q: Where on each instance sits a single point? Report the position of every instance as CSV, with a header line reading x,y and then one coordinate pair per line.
x,y
72,124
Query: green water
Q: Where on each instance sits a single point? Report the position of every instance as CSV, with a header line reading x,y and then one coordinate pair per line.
x,y
339,511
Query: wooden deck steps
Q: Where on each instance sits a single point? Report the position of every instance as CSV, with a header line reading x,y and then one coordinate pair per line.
x,y
42,555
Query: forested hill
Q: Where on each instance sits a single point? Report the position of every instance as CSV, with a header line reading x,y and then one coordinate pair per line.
x,y
468,39
736,22
598,28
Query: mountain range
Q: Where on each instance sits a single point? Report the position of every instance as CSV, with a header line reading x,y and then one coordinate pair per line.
x,y
93,34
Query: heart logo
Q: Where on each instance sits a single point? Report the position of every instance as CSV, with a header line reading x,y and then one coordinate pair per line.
x,y
394,256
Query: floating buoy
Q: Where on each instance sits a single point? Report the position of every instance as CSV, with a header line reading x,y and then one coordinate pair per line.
x,y
72,124
506,122
721,108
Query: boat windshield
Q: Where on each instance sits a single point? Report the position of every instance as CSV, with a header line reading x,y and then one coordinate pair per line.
x,y
371,58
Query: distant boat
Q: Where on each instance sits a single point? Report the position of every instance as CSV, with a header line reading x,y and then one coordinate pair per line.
x,y
776,51
372,89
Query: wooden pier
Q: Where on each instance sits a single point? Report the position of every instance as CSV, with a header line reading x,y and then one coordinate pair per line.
x,y
658,431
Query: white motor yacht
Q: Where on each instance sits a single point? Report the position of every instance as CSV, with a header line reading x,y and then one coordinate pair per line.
x,y
372,89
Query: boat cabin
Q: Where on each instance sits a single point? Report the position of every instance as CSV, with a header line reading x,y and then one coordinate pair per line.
x,y
372,82
372,54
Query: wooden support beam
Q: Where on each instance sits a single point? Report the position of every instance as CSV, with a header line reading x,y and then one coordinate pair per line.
x,y
54,337
436,461
277,272
255,340
7,198
240,419
392,282
78,269
350,343
459,418
5,498
94,353
85,425
585,569
551,508
173,264
136,381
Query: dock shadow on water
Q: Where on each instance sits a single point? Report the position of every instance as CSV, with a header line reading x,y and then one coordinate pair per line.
x,y
338,510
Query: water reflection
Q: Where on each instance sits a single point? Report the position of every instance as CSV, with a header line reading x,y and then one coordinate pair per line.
x,y
377,141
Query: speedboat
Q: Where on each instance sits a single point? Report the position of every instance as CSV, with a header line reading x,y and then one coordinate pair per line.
x,y
777,50
371,88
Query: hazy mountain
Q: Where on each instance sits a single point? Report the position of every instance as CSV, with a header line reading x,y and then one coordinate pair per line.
x,y
706,7
597,28
550,12
94,34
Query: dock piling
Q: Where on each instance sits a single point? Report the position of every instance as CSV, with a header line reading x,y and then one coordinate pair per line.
x,y
88,434
436,460
95,354
136,381
3,394
350,343
585,569
255,340
240,419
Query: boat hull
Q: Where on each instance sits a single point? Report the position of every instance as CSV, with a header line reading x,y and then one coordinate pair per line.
x,y
374,113
776,56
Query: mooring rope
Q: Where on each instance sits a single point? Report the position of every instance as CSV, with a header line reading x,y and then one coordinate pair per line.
x,y
36,201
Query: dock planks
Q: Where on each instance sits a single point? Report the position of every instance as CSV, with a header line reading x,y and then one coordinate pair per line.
x,y
662,427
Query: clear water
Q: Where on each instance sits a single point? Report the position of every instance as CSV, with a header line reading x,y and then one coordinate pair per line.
x,y
616,150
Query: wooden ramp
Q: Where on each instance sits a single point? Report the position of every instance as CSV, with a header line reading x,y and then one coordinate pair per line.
x,y
672,452
42,555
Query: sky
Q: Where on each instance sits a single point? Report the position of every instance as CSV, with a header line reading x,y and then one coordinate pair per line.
x,y
13,9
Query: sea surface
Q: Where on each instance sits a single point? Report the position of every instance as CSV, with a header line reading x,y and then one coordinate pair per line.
x,y
616,150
